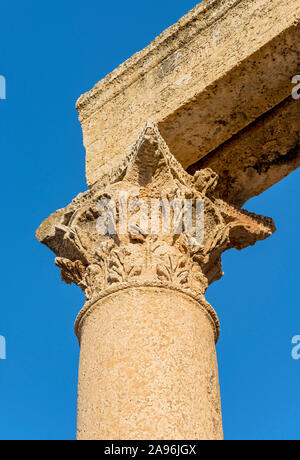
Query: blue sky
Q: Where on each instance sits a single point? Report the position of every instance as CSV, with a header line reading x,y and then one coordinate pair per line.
x,y
50,54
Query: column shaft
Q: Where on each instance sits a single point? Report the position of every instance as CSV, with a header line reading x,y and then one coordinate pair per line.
x,y
148,368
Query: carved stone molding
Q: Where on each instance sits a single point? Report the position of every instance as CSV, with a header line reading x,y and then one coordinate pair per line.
x,y
97,262
203,304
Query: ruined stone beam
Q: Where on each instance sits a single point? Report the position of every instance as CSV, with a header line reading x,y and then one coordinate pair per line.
x,y
221,68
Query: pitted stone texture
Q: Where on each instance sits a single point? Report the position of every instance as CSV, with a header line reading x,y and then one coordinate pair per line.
x,y
204,79
94,261
148,369
148,365
257,157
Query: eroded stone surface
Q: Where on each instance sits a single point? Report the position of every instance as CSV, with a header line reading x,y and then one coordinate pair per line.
x,y
202,81
95,261
217,85
148,366
259,156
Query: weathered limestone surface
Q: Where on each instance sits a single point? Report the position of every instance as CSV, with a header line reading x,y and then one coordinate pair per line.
x,y
95,261
217,84
258,156
148,366
202,81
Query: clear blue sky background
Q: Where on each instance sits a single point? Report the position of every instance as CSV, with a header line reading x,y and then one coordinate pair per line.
x,y
52,52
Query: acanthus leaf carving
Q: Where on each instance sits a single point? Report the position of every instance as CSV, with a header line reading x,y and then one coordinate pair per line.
x,y
94,261
72,272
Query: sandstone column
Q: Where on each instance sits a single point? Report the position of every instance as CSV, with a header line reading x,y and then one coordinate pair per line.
x,y
148,366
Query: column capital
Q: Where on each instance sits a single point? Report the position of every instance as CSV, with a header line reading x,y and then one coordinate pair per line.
x,y
149,221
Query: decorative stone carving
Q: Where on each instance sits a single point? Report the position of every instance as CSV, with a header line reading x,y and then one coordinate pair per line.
x,y
96,261
144,244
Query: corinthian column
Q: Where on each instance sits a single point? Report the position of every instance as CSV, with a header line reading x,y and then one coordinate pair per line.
x,y
144,244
